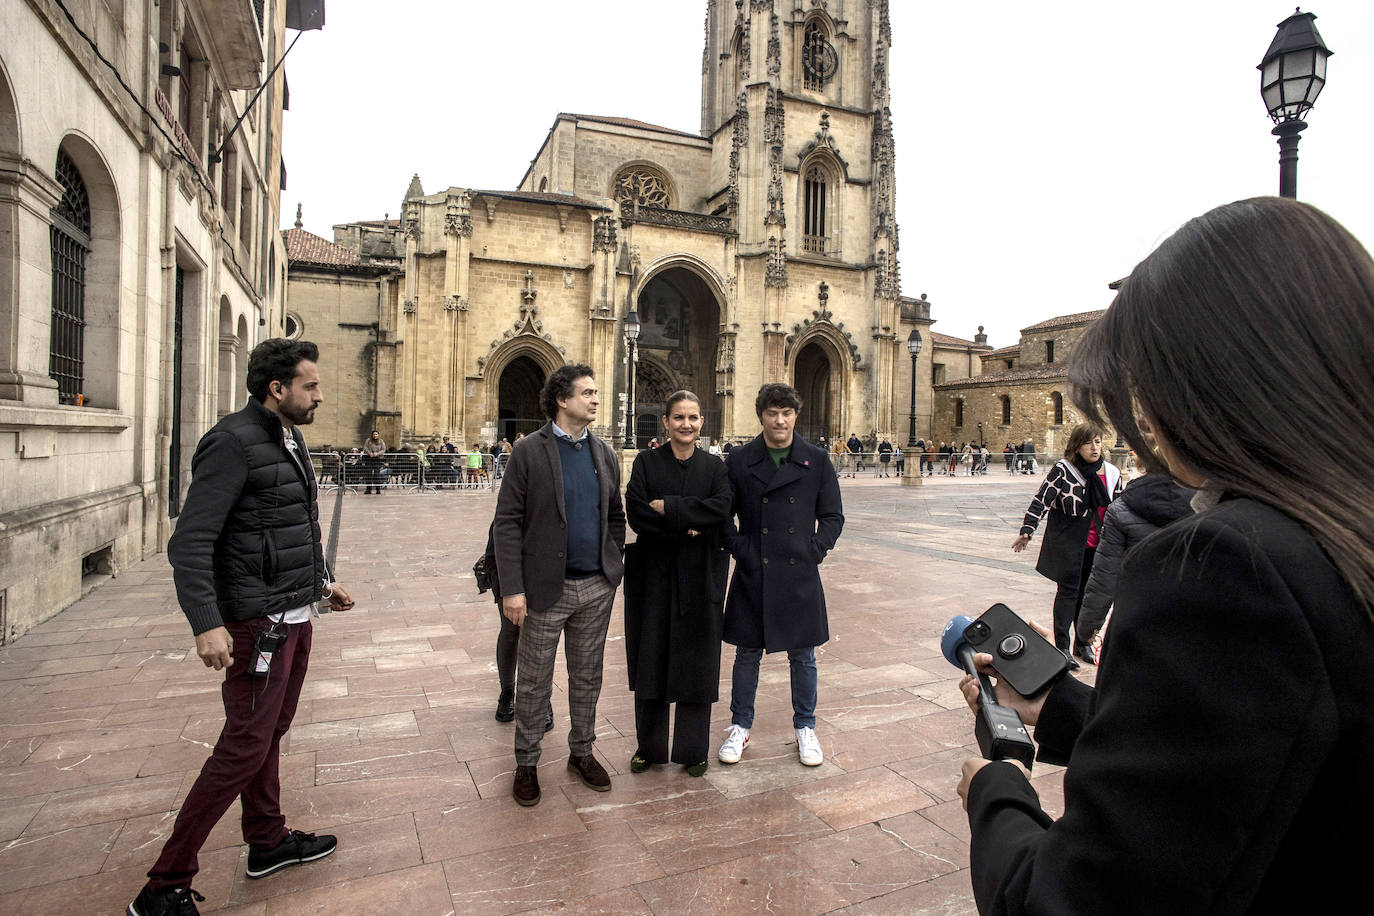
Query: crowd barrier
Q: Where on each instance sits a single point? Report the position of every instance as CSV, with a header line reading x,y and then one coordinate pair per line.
x,y
397,471
870,464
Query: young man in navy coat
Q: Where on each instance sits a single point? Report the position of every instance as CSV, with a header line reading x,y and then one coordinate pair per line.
x,y
787,502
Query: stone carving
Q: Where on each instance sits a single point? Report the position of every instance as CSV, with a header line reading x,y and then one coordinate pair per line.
x,y
824,296
774,47
681,219
725,363
528,294
529,326
455,304
738,140
887,283
491,203
641,187
773,127
744,46
775,274
603,233
409,306
458,223
824,322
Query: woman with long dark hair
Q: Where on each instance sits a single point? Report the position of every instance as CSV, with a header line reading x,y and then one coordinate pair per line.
x,y
675,575
1222,762
1075,494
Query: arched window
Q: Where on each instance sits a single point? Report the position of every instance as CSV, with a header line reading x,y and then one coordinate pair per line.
x,y
815,207
70,240
640,186
1006,410
819,60
1058,400
958,411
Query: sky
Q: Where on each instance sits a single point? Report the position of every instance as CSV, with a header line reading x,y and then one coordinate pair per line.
x,y
1041,151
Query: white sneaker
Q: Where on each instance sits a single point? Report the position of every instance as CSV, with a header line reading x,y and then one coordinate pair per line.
x,y
736,740
809,747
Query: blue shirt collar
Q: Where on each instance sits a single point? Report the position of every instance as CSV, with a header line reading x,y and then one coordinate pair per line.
x,y
558,431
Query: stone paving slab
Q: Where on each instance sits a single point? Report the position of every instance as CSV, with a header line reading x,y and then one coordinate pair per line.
x,y
106,715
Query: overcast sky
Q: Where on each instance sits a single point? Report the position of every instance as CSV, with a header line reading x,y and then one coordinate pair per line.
x,y
1041,150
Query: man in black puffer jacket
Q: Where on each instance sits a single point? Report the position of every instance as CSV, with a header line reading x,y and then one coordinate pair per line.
x,y
247,563
1146,505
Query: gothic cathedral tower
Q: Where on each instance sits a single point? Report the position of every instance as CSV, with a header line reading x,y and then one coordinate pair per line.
x,y
795,102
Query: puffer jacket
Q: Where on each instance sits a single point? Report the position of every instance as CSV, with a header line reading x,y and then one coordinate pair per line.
x,y
1146,505
247,543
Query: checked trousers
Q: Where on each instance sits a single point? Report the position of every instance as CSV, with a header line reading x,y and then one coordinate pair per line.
x,y
583,615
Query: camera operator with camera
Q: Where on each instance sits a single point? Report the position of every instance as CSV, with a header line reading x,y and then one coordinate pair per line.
x,y
1221,764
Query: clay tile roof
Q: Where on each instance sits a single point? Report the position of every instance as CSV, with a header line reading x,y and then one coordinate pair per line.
x,y
950,341
1076,318
307,248
545,197
987,379
630,122
1013,350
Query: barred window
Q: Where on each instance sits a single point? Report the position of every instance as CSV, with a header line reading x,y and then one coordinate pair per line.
x,y
814,200
1058,401
1006,410
70,239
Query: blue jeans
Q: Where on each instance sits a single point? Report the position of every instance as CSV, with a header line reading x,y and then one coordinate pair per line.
x,y
745,685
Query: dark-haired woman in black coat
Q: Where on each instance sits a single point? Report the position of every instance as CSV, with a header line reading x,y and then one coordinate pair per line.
x,y
675,574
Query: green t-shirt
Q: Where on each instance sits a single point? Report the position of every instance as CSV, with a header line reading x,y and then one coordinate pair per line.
x,y
779,454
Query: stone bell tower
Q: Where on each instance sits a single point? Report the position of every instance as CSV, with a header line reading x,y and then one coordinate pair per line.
x,y
795,100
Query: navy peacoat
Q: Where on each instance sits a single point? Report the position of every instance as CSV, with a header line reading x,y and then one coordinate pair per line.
x,y
789,518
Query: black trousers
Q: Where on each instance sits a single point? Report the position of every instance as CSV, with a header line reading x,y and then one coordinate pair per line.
x,y
691,731
507,649
1067,600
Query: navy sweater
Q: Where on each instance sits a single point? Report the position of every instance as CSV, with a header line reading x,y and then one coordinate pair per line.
x,y
582,500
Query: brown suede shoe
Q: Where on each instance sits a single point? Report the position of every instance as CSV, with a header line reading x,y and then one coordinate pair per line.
x,y
593,774
526,788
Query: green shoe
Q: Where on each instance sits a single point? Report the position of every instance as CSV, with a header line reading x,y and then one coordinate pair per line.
x,y
638,764
697,769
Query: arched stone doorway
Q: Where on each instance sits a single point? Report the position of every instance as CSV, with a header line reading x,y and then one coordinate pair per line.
x,y
679,317
818,383
518,398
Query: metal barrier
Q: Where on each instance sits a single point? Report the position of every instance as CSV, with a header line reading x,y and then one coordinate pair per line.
x,y
408,471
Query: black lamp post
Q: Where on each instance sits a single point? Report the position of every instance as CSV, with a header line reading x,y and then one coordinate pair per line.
x,y
913,346
631,335
1292,75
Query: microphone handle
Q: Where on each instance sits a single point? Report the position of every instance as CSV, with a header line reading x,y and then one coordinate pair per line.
x,y
985,691
999,730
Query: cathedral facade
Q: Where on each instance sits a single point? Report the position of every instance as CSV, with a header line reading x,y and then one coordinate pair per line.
x,y
762,247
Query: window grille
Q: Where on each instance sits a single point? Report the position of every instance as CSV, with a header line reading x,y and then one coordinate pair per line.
x,y
70,239
815,49
813,210
1006,410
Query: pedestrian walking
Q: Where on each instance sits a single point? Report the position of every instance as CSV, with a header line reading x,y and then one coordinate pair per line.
x,y
248,566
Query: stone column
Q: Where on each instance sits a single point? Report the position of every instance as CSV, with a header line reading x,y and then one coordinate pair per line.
x,y
458,230
27,194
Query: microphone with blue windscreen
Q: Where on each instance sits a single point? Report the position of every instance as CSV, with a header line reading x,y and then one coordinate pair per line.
x,y
1000,733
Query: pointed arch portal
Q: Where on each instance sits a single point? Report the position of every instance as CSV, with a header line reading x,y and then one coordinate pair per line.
x,y
679,317
817,380
518,398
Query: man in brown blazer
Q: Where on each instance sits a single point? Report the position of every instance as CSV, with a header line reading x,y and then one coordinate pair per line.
x,y
559,535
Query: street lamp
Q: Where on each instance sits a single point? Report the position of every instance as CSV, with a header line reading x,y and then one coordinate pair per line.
x,y
1292,75
631,335
913,346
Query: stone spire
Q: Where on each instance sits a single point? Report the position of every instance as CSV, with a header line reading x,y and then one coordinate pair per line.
x,y
298,216
415,190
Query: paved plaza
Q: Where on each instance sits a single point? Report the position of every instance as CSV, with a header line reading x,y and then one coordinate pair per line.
x,y
107,715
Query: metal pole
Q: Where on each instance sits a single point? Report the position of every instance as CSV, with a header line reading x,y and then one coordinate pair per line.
x,y
911,436
1287,132
630,407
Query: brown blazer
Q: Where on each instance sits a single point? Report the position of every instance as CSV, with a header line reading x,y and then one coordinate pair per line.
x,y
530,529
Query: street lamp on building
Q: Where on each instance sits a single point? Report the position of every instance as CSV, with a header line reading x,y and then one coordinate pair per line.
x,y
913,346
1292,75
631,335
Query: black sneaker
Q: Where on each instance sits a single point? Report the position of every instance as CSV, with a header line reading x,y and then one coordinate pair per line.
x,y
297,849
505,706
170,901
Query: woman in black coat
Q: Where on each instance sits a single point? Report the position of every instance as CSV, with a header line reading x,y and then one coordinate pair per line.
x,y
675,574
1221,764
1075,494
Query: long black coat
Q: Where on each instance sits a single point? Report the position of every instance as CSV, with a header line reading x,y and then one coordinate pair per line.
x,y
789,518
1222,763
675,583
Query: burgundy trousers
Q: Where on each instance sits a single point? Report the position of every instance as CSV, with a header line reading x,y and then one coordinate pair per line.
x,y
257,712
